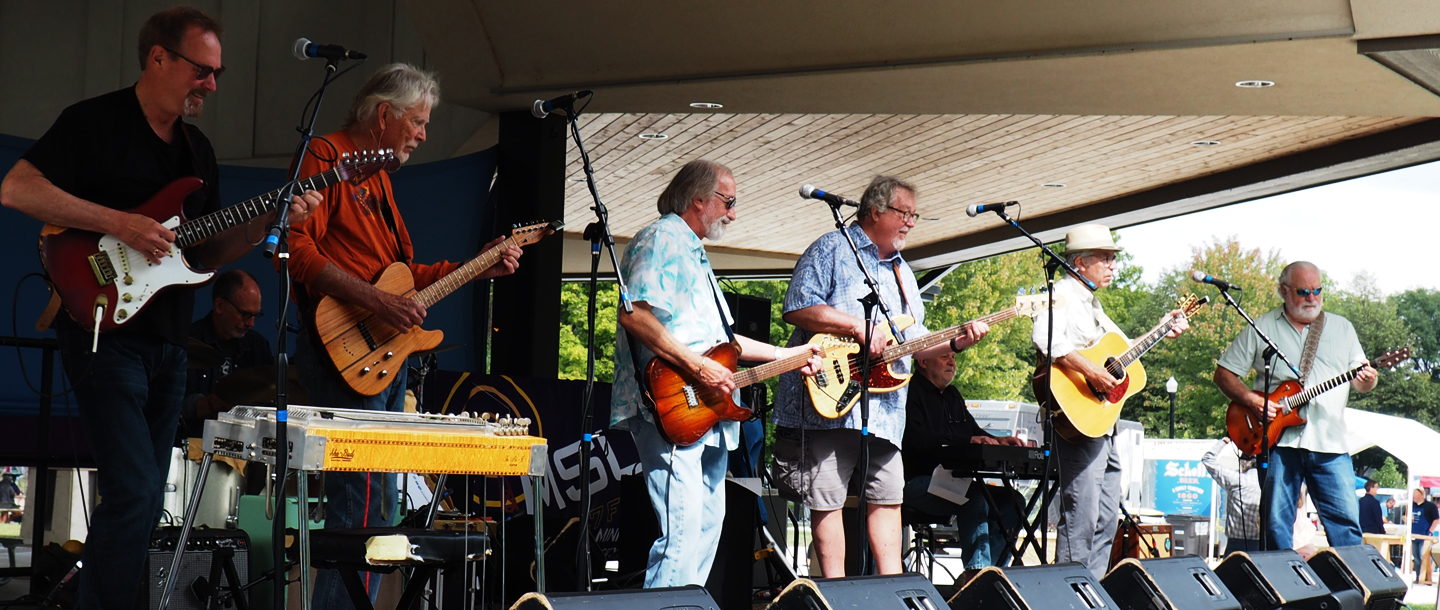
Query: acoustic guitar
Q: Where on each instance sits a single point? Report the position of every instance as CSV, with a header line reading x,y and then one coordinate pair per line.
x,y
366,351
836,388
98,275
685,409
1243,423
1084,412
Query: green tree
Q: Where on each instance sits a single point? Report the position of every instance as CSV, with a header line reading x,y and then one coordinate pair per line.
x,y
1389,475
574,330
1420,308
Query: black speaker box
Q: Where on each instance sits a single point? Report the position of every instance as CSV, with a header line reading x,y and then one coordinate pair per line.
x,y
677,598
1363,569
1267,580
1068,586
201,549
898,592
1181,583
752,315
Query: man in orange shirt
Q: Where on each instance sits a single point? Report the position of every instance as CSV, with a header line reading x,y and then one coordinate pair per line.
x,y
352,236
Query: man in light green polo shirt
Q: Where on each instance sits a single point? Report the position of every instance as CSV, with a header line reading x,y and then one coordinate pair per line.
x,y
1316,452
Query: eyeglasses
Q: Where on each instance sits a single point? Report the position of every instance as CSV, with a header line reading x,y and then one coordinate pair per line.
x,y
910,216
201,71
728,199
1305,292
243,314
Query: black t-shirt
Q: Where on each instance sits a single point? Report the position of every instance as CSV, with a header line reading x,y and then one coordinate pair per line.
x,y
252,349
934,417
103,150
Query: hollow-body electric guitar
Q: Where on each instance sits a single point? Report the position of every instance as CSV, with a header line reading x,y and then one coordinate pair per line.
x,y
98,275
366,351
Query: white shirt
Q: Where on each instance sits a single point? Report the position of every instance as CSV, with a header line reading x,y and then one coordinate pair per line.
x,y
1079,324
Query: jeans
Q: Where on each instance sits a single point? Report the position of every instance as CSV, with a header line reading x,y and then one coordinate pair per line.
x,y
352,499
129,394
687,490
980,533
1417,550
1330,478
1089,502
1235,545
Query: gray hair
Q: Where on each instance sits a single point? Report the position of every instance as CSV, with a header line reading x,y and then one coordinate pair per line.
x,y
1075,255
880,194
696,180
403,86
1290,270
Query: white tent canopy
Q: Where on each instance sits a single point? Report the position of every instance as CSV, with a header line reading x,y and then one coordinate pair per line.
x,y
1408,440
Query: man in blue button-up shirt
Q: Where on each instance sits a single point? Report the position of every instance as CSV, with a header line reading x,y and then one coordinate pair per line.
x,y
824,298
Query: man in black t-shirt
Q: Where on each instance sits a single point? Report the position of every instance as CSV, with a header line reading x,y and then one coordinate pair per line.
x,y
103,156
230,329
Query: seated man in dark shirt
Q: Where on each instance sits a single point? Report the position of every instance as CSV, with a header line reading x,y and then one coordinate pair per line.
x,y
935,415
1372,518
229,328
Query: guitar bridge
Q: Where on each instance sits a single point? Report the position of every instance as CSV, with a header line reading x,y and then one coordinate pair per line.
x,y
690,397
102,266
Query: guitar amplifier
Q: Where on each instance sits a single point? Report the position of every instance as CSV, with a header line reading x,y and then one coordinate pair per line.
x,y
752,315
201,550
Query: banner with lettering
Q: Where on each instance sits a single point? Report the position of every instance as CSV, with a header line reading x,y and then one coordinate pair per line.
x,y
1181,487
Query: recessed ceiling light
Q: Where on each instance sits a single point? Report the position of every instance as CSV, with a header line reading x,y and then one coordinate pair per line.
x,y
706,105
653,136
1054,185
1255,84
1205,143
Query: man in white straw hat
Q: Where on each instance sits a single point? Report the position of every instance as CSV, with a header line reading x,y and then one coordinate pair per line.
x,y
1090,469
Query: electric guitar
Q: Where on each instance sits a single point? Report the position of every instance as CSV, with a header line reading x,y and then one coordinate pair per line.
x,y
367,351
835,389
685,409
1081,410
1243,423
98,276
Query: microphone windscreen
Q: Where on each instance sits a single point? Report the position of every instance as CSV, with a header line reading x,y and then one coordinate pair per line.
x,y
299,48
807,191
973,210
1197,275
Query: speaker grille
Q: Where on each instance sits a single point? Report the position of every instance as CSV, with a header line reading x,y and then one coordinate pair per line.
x,y
200,552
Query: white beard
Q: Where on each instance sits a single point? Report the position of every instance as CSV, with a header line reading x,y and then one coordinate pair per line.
x,y
716,230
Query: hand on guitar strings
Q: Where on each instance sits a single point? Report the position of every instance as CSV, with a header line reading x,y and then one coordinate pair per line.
x,y
399,312
509,259
971,334
1366,377
146,236
302,206
1182,323
878,339
715,376
814,365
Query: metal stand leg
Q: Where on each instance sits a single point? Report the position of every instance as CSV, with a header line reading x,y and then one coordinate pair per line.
x,y
537,487
302,509
190,509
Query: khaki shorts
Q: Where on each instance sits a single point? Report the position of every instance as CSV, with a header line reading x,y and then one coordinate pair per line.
x,y
831,463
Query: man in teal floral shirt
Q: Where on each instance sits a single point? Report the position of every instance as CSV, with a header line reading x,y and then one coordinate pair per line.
x,y
678,316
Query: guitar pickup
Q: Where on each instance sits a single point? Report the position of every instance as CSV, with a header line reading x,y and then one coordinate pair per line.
x,y
690,397
102,266
821,379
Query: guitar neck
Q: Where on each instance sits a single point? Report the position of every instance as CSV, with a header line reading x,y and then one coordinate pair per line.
x,y
1330,384
202,228
461,276
1143,344
770,369
897,352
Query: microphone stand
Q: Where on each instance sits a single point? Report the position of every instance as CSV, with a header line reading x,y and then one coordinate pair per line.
x,y
869,302
1268,357
1053,263
598,233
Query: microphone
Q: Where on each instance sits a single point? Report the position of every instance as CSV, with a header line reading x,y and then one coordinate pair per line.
x,y
543,108
1200,276
980,208
810,192
304,49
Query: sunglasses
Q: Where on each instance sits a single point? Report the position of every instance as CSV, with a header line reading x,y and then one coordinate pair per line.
x,y
728,199
243,314
201,71
1305,292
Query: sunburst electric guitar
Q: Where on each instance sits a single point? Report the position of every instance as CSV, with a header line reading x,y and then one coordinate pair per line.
x,y
366,351
1243,423
99,276
836,388
1081,410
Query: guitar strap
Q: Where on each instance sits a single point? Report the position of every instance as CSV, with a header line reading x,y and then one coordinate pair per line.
x,y
1312,344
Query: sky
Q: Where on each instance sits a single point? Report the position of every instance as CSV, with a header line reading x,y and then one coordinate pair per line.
x,y
1387,225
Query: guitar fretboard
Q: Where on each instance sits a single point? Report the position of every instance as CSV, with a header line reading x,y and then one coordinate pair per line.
x,y
897,352
461,276
1140,347
770,369
202,228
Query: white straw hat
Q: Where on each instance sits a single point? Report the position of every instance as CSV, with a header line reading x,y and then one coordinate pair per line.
x,y
1090,237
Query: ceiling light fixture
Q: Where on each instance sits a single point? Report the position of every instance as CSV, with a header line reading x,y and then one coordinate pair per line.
x,y
1054,185
1255,84
706,105
653,136
1205,143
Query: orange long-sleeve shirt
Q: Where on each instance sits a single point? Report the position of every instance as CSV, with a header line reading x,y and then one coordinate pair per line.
x,y
349,230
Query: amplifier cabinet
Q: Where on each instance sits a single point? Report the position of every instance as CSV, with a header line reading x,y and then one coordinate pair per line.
x,y
201,550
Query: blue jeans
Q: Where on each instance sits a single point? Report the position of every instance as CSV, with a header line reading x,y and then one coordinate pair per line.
x,y
352,499
1330,478
687,489
980,533
1235,545
129,393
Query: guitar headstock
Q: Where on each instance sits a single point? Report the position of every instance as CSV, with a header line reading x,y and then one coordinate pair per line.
x,y
525,235
1391,359
1032,304
357,166
1189,304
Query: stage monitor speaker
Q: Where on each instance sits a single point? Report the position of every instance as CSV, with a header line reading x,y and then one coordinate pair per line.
x,y
1181,583
1267,580
752,315
677,598
898,592
199,573
1361,568
1067,586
